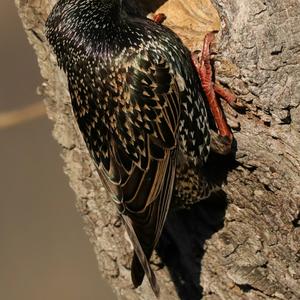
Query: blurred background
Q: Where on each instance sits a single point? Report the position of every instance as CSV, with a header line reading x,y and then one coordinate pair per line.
x,y
44,252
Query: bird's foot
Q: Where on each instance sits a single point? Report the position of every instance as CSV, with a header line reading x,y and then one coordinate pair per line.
x,y
228,96
159,18
223,140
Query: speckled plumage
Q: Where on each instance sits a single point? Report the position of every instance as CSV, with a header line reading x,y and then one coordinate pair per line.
x,y
136,97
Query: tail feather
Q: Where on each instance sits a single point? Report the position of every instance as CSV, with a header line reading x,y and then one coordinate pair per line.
x,y
137,271
140,262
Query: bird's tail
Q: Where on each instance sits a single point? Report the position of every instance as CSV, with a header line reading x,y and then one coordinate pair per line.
x,y
140,262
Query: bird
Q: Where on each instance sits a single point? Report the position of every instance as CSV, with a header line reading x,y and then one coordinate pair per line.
x,y
137,99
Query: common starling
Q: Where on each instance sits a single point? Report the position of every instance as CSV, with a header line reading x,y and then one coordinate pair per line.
x,y
136,97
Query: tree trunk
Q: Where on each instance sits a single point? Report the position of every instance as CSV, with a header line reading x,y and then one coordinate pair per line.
x,y
249,247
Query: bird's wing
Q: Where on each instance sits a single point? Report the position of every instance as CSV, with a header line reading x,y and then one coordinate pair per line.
x,y
133,143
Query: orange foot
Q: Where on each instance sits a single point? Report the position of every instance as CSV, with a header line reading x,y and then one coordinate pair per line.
x,y
159,18
204,69
222,142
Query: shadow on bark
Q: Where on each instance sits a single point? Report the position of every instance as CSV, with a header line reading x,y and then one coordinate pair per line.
x,y
185,233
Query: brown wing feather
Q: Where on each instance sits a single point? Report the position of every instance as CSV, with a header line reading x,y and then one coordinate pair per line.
x,y
145,223
132,136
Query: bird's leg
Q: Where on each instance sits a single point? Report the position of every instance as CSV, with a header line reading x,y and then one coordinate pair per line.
x,y
205,73
204,69
221,143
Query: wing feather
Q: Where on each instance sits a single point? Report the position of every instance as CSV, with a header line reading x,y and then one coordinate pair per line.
x,y
131,132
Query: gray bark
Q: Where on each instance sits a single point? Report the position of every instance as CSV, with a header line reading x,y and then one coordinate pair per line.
x,y
248,248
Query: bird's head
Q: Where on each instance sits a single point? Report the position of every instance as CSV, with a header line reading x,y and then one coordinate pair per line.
x,y
73,22
84,11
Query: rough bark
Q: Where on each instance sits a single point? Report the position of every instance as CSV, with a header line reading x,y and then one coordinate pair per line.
x,y
248,248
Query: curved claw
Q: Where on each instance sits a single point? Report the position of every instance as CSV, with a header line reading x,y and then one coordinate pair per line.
x,y
229,97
